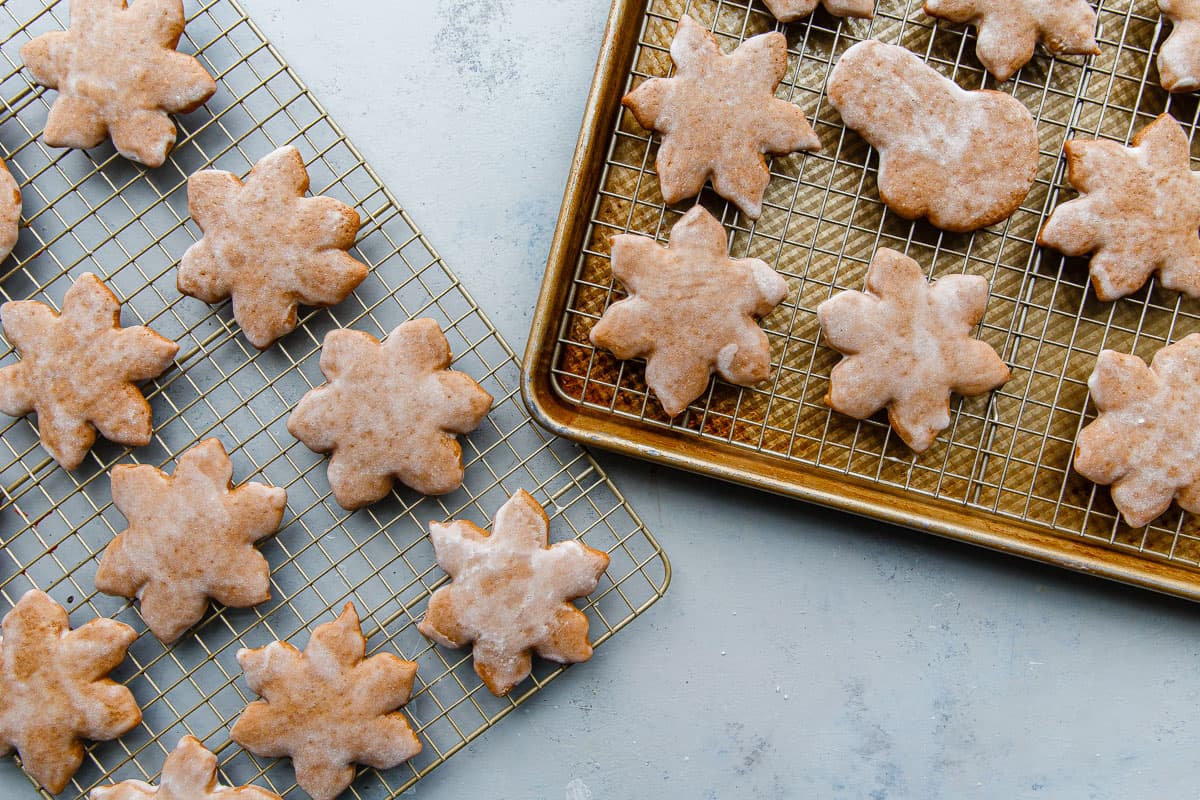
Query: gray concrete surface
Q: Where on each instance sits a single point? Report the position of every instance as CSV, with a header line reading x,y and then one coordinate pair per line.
x,y
800,653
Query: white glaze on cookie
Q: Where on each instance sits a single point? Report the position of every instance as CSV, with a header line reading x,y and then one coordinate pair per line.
x,y
10,211
268,246
189,773
1179,58
964,159
1138,212
1146,442
118,74
79,370
908,346
792,10
390,411
328,708
190,537
53,689
1010,30
510,592
718,115
691,310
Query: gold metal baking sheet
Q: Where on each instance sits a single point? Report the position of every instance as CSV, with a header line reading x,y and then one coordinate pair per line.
x,y
95,211
1001,475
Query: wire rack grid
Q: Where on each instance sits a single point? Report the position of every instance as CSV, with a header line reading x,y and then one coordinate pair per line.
x,y
1006,454
93,211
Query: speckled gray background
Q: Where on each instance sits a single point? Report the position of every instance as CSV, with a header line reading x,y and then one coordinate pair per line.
x,y
799,653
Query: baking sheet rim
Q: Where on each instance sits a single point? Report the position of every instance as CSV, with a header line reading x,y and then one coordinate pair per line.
x,y
810,484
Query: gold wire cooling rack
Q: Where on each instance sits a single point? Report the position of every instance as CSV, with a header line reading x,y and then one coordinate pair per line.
x,y
1001,474
95,211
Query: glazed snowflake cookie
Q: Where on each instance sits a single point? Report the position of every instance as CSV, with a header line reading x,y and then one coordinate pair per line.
x,y
189,773
10,211
718,115
1179,58
79,369
390,411
1145,443
118,74
190,537
1139,213
691,310
908,346
792,10
964,159
268,246
54,690
510,593
327,708
1010,30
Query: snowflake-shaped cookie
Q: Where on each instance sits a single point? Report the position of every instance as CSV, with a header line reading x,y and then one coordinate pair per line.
x,y
268,246
190,537
1146,442
118,74
79,369
10,211
189,773
718,115
54,690
327,708
908,346
1179,57
390,411
691,310
1139,212
792,10
1009,30
510,593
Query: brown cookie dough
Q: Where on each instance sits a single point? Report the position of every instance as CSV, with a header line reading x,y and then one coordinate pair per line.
x,y
1145,442
964,159
190,537
691,310
189,773
390,411
79,370
510,593
792,10
10,211
718,115
268,246
53,687
1010,30
327,708
908,346
118,74
1179,57
1138,213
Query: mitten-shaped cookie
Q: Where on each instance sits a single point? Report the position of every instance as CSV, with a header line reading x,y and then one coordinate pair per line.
x,y
964,159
